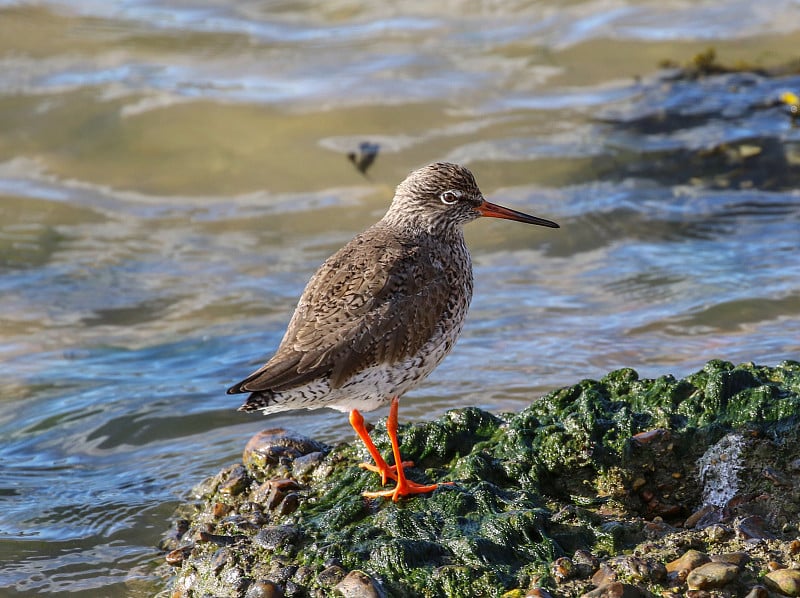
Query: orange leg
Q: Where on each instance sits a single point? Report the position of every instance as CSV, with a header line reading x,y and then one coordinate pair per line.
x,y
404,486
385,470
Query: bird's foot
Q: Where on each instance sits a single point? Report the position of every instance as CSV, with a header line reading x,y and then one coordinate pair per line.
x,y
405,489
387,473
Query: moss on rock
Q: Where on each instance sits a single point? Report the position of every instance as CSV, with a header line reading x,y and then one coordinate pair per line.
x,y
545,498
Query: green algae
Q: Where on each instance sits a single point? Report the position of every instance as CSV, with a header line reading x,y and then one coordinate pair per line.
x,y
567,473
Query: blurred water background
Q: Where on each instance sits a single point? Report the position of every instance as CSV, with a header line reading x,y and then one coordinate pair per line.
x,y
172,172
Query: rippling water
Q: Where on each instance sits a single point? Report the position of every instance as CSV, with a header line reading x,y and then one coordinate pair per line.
x,y
172,173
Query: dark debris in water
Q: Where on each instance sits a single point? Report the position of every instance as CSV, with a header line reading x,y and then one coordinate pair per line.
x,y
596,489
707,124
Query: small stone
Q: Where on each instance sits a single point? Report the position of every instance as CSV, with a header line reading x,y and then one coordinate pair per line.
x,y
740,559
638,483
220,509
220,559
794,547
649,436
236,483
752,528
691,559
562,569
604,575
699,515
585,564
272,446
272,537
358,584
218,539
331,575
784,581
718,532
615,589
289,504
538,593
305,464
264,589
758,592
176,557
711,576
774,566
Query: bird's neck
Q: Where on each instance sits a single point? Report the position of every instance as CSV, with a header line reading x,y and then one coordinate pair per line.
x,y
410,223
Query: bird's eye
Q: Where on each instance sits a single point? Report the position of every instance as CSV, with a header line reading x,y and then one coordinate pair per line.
x,y
450,197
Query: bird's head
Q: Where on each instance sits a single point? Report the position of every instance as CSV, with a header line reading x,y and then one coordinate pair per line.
x,y
445,196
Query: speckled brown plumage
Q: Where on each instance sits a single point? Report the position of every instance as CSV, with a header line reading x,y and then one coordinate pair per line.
x,y
383,311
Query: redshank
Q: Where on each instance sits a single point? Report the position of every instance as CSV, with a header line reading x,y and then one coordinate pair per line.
x,y
382,312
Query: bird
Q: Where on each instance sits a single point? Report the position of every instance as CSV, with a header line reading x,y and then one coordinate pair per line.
x,y
381,313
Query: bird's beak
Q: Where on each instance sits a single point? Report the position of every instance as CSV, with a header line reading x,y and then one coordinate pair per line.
x,y
494,211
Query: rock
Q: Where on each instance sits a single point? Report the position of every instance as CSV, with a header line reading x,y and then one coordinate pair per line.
x,y
176,557
784,581
691,559
758,592
330,576
740,559
550,481
615,589
358,584
264,589
270,447
272,537
306,464
562,569
711,576
236,483
752,528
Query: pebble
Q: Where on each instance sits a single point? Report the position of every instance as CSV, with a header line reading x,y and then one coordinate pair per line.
x,y
176,557
272,446
740,559
691,559
711,575
758,592
272,537
305,464
538,593
332,575
699,515
264,589
562,569
358,584
236,483
220,509
784,581
221,558
218,539
752,528
615,589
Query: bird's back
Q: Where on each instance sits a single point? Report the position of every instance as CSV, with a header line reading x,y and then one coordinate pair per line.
x,y
373,321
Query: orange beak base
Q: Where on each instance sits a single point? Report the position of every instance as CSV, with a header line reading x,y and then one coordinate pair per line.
x,y
492,210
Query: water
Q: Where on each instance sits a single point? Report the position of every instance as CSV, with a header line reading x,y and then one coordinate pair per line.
x,y
171,174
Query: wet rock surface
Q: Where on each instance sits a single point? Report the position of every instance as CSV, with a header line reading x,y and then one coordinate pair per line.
x,y
592,490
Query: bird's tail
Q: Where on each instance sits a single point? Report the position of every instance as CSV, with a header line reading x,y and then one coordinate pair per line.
x,y
262,400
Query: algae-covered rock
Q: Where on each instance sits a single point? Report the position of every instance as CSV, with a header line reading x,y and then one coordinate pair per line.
x,y
597,485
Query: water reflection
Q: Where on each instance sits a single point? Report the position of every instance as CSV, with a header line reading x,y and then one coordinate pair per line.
x,y
171,175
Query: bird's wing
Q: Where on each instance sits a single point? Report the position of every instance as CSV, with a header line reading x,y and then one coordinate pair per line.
x,y
365,305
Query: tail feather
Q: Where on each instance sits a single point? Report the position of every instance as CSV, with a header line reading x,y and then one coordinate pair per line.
x,y
258,401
